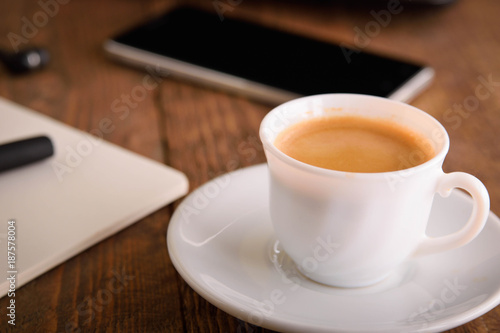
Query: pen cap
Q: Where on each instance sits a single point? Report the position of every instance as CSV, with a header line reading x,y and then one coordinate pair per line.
x,y
19,153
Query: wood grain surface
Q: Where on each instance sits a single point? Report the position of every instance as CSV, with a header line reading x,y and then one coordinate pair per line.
x,y
201,131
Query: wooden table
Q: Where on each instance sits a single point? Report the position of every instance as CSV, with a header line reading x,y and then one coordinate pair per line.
x,y
199,130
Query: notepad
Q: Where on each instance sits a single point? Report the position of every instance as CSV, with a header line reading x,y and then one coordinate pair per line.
x,y
90,189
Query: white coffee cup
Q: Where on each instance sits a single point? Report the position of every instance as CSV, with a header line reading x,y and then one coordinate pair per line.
x,y
351,229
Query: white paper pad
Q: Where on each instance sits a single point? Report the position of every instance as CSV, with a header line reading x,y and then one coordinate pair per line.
x,y
87,191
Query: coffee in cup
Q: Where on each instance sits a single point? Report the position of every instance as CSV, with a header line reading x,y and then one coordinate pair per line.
x,y
354,144
349,220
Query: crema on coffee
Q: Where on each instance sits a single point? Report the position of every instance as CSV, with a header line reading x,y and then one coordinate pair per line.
x,y
354,144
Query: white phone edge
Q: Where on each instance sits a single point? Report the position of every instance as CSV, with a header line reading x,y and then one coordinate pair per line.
x,y
413,86
165,66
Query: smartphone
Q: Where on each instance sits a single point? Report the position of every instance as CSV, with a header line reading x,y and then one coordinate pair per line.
x,y
263,63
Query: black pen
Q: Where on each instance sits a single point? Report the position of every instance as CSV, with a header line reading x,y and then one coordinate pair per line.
x,y
18,153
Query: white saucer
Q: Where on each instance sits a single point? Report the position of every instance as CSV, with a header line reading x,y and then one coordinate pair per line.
x,y
220,240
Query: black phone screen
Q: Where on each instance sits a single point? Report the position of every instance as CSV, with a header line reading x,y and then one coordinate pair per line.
x,y
272,57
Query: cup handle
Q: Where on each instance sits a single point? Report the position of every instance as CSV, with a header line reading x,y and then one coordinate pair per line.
x,y
476,222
